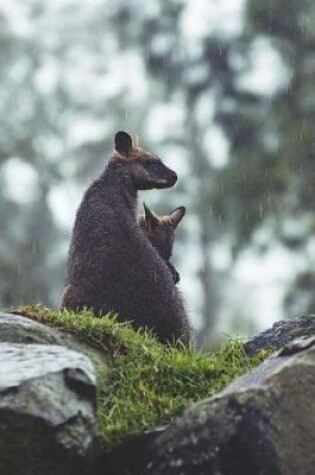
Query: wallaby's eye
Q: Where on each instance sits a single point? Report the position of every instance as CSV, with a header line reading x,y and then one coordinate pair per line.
x,y
154,166
149,161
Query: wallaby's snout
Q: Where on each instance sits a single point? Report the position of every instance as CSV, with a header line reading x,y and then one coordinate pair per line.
x,y
166,178
171,179
149,172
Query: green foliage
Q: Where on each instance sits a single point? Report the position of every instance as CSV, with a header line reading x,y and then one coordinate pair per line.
x,y
149,383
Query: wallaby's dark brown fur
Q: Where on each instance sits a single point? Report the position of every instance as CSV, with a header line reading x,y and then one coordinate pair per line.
x,y
112,267
160,230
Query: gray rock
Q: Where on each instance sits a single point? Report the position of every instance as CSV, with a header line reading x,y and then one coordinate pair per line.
x,y
47,410
297,345
281,333
262,424
130,456
20,329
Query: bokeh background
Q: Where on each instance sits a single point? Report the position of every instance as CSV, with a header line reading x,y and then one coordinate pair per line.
x,y
222,90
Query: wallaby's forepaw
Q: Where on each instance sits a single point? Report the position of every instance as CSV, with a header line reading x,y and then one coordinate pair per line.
x,y
174,272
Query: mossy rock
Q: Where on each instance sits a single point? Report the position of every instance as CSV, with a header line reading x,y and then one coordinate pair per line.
x,y
262,423
148,383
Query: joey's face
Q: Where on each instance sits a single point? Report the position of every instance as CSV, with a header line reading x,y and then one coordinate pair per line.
x,y
161,237
160,230
146,170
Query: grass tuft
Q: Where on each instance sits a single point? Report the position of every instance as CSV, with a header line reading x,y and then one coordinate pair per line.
x,y
149,383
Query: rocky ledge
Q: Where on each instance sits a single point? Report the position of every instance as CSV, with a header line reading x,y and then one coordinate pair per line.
x,y
261,423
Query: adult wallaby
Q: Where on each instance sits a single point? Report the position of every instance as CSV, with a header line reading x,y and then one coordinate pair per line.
x,y
160,230
112,267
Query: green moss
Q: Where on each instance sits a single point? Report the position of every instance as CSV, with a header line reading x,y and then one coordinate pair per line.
x,y
149,383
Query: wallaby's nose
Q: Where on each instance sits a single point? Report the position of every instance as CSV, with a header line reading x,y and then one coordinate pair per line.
x,y
173,178
167,180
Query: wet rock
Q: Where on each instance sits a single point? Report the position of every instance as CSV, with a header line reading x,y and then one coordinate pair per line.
x,y
281,333
297,345
18,329
130,456
262,424
47,410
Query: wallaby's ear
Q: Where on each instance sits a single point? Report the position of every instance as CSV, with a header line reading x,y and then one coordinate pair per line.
x,y
176,216
135,141
123,143
150,219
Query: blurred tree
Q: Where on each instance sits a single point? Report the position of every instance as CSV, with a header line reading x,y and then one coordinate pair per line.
x,y
272,144
27,125
30,263
272,168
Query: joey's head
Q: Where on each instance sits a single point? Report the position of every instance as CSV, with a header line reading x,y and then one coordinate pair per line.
x,y
145,169
160,230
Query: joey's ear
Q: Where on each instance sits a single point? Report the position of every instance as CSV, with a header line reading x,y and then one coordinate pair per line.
x,y
176,216
123,143
150,219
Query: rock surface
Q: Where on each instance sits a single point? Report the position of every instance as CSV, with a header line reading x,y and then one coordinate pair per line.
x,y
281,333
130,456
47,410
262,424
19,329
